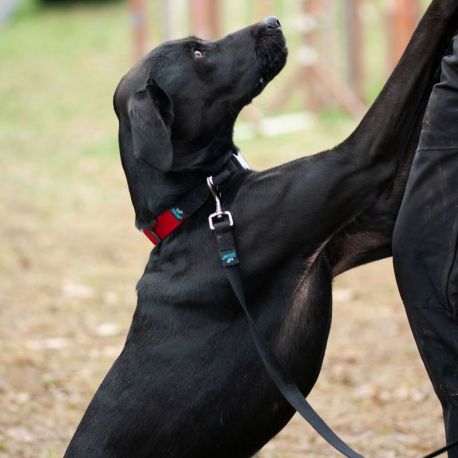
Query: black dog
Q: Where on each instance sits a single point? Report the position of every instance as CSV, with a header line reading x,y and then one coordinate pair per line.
x,y
188,382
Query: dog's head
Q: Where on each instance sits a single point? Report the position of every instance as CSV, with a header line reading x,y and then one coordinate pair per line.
x,y
185,95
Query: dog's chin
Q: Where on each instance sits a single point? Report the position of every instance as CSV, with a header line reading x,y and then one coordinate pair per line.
x,y
272,65
275,64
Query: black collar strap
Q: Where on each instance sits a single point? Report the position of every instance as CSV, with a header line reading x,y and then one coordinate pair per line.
x,y
172,218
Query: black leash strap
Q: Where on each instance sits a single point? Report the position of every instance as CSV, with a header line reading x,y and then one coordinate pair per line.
x,y
442,450
221,223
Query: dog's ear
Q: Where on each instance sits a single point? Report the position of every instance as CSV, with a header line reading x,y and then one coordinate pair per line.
x,y
151,116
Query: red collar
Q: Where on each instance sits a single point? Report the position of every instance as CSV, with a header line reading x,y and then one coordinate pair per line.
x,y
166,223
172,218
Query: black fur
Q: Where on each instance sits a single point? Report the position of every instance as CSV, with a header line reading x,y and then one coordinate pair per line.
x,y
188,382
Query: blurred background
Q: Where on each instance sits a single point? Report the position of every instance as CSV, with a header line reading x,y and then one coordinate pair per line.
x,y
69,253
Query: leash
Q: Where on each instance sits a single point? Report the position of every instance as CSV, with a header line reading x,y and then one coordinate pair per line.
x,y
221,223
442,450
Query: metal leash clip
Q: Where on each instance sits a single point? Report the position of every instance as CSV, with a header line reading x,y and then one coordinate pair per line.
x,y
219,213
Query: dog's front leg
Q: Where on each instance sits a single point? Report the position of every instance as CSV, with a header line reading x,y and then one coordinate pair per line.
x,y
389,135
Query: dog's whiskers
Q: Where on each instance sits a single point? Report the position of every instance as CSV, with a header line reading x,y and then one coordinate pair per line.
x,y
268,53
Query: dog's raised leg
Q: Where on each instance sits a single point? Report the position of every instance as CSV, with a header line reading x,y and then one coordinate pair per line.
x,y
391,128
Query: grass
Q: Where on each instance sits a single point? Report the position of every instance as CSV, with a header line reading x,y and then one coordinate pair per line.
x,y
70,256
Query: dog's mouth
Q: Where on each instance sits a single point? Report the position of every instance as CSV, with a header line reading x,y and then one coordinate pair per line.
x,y
272,54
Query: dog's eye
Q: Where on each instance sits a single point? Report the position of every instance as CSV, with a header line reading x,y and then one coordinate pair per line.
x,y
198,54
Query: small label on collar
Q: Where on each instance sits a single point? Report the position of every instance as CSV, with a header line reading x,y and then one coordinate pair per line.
x,y
178,213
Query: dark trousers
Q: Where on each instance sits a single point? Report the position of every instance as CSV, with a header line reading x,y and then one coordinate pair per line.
x,y
425,244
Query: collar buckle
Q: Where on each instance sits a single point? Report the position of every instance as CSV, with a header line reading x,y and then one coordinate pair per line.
x,y
240,160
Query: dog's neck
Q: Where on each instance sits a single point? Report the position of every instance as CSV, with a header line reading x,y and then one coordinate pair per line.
x,y
204,156
167,189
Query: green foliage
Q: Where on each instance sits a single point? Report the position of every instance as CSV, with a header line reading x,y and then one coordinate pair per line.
x,y
25,8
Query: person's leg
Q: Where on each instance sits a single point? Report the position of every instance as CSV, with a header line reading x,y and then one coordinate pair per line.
x,y
425,243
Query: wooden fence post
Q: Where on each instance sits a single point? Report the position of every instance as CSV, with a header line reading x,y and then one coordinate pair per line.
x,y
355,65
311,10
205,19
403,17
316,76
138,21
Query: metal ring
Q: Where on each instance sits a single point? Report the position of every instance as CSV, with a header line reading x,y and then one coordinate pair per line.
x,y
220,214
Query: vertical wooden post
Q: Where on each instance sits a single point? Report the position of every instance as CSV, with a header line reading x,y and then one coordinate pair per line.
x,y
403,19
317,75
205,17
353,29
138,20
310,52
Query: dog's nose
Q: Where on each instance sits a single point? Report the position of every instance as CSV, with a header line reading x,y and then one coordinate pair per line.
x,y
271,22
